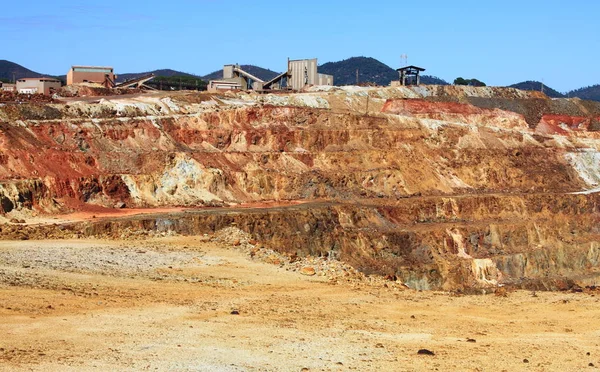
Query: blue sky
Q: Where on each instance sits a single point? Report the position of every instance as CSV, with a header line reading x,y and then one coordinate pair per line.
x,y
498,42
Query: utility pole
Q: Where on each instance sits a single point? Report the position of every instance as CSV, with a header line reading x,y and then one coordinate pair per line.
x,y
542,85
356,76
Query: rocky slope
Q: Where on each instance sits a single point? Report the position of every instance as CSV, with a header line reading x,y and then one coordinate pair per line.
x,y
442,187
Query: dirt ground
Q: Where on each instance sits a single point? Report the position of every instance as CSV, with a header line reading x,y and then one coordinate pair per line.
x,y
192,303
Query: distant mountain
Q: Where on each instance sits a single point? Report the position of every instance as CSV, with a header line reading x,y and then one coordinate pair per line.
x,y
164,72
537,85
259,72
369,69
7,68
591,93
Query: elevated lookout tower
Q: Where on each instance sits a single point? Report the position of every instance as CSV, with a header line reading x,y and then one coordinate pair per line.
x,y
410,74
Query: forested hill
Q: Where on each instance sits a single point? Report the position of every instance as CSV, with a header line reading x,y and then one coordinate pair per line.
x,y
370,70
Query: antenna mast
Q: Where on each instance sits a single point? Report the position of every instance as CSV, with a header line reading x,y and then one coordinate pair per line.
x,y
404,60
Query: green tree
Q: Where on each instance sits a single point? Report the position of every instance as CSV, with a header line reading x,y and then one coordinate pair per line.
x,y
471,82
476,83
460,81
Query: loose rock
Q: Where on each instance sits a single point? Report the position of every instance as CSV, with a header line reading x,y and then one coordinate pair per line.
x,y
307,270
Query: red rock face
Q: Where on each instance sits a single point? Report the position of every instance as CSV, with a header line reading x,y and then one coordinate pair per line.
x,y
420,106
449,191
565,125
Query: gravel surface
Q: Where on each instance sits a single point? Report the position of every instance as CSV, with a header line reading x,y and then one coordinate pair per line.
x,y
101,259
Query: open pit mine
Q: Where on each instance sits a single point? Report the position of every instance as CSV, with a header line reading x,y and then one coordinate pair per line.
x,y
440,187
332,230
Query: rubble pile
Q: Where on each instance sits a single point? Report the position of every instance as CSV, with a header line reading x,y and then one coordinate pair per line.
x,y
14,97
93,90
327,267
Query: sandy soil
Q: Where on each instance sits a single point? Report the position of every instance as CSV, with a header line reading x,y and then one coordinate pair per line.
x,y
193,304
93,212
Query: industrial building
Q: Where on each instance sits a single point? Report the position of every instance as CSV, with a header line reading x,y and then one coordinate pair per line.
x,y
91,74
303,72
43,85
7,87
299,74
246,81
223,85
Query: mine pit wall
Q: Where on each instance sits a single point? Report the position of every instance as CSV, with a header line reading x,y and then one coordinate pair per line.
x,y
468,243
534,247
458,192
279,153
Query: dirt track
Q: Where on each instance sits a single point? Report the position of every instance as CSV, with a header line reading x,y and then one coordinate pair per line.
x,y
166,304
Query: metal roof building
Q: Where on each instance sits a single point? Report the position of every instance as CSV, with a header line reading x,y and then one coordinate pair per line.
x,y
92,74
43,85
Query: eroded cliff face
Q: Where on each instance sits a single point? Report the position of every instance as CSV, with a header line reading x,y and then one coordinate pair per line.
x,y
443,187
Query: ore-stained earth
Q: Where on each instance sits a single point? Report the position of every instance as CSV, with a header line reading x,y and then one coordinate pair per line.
x,y
334,229
453,188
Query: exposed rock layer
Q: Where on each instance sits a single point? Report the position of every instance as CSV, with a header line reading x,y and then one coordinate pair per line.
x,y
444,187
